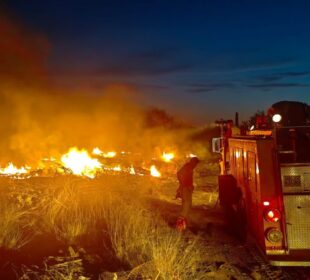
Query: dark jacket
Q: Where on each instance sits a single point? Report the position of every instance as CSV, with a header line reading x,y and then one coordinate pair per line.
x,y
185,176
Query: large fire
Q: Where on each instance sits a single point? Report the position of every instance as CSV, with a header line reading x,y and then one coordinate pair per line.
x,y
11,169
80,163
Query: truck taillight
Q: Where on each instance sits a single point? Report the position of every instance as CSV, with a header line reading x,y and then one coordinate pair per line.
x,y
274,235
272,215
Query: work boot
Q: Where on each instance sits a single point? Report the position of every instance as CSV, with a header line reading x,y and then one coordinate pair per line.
x,y
181,224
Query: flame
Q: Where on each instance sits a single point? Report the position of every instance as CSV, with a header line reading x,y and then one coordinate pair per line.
x,y
191,155
80,163
11,169
132,170
167,157
97,151
111,154
117,168
154,171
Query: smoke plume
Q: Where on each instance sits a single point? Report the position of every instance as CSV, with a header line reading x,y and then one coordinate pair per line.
x,y
40,119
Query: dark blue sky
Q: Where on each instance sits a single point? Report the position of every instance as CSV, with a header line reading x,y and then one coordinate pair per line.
x,y
203,59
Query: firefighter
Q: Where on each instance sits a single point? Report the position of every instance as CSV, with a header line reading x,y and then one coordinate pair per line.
x,y
185,190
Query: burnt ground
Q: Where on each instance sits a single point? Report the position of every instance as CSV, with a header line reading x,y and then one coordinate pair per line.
x,y
226,257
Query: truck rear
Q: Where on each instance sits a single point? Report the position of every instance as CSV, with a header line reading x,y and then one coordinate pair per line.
x,y
266,190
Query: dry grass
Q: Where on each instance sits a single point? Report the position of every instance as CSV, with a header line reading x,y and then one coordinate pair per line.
x,y
70,270
128,227
141,240
13,226
68,214
174,257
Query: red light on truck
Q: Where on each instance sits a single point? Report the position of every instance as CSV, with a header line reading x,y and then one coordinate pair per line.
x,y
266,203
272,215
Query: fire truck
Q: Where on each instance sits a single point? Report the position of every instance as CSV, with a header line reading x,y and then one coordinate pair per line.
x,y
264,185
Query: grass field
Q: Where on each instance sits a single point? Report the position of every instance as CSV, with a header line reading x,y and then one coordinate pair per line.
x,y
69,227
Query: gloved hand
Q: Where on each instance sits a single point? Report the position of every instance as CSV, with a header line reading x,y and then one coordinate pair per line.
x,y
178,193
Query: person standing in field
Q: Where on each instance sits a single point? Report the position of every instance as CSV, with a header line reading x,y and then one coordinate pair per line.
x,y
186,186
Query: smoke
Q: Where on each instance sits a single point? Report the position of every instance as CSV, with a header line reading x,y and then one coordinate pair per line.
x,y
37,122
23,53
40,119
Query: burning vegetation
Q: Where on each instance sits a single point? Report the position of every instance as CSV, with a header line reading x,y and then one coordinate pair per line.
x,y
81,163
87,177
43,118
70,162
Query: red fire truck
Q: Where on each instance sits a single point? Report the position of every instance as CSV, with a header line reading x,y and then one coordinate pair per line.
x,y
264,186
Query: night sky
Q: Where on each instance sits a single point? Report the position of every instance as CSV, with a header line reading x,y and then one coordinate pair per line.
x,y
200,59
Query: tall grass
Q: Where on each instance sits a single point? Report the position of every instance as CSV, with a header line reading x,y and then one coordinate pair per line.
x,y
13,226
128,227
141,240
175,257
68,214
